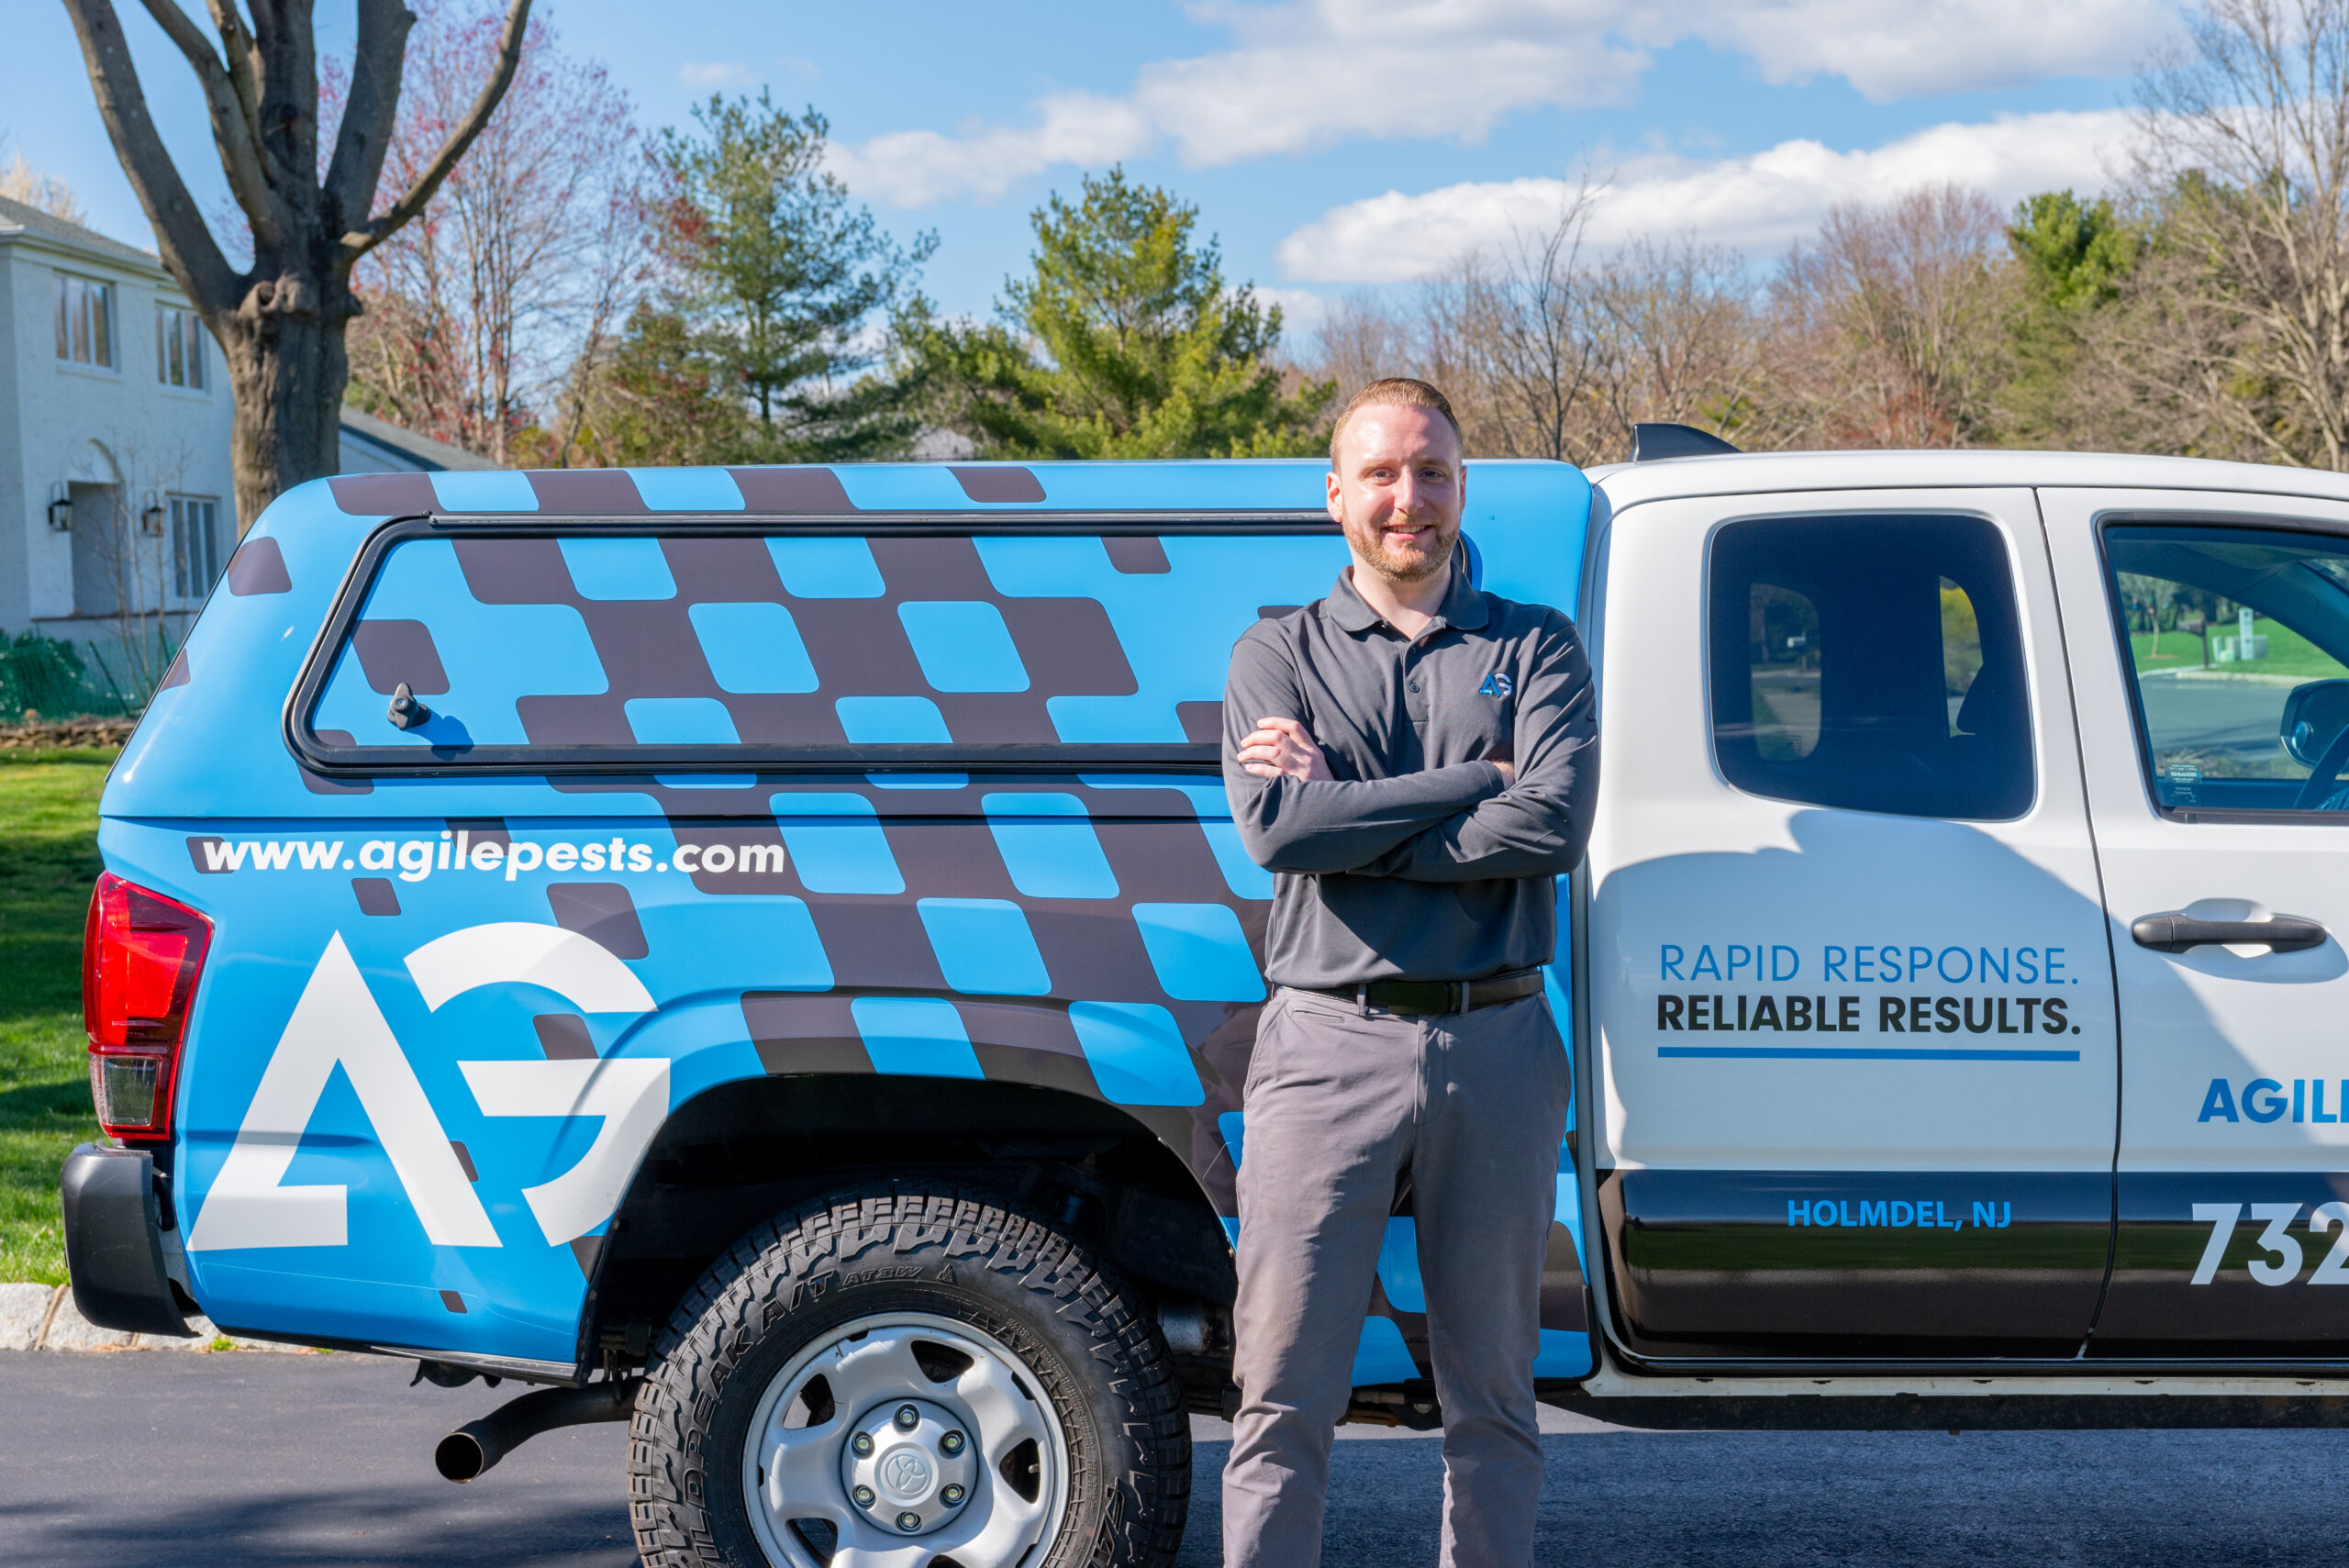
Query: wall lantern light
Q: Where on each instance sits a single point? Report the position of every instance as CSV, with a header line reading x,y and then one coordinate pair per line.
x,y
150,522
61,511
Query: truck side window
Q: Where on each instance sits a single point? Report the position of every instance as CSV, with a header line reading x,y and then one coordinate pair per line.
x,y
586,642
1872,663
2237,642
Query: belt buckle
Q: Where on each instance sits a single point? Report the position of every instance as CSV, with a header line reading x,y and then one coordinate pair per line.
x,y
1436,1005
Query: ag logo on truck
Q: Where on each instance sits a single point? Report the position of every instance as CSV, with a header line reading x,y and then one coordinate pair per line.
x,y
337,1024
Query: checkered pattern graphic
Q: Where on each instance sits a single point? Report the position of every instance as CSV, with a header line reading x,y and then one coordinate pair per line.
x,y
818,641
1101,935
1098,935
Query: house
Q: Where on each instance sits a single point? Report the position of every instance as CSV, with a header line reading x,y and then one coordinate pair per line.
x,y
114,441
114,425
377,446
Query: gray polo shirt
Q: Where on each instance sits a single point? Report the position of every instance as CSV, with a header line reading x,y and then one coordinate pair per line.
x,y
1412,862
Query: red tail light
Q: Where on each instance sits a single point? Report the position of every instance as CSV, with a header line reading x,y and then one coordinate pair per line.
x,y
141,956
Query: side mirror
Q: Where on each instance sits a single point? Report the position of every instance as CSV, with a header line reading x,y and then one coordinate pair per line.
x,y
2314,713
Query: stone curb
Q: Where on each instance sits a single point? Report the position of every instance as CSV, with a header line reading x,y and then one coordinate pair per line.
x,y
43,1317
73,732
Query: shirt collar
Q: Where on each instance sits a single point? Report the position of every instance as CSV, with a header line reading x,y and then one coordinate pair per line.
x,y
1346,606
1463,603
1463,607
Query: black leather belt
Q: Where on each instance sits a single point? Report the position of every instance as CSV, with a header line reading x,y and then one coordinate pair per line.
x,y
1432,998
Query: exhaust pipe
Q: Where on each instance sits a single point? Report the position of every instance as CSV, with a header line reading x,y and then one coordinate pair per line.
x,y
475,1446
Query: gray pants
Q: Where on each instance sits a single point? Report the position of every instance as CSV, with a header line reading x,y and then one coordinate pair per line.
x,y
1340,1105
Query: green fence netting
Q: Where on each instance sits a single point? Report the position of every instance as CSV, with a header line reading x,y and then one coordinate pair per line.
x,y
44,677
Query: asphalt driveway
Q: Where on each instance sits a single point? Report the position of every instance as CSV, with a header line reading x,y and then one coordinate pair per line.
x,y
160,1461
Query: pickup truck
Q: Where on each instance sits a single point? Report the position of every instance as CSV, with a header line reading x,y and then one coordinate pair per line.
x,y
765,953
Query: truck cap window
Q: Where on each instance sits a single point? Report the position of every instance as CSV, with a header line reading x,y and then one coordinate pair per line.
x,y
1870,662
585,646
2236,638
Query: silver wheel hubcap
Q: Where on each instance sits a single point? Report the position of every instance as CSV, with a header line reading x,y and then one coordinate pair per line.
x,y
900,1439
911,1464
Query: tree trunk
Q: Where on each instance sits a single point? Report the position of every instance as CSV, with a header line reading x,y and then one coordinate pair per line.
x,y
287,366
280,323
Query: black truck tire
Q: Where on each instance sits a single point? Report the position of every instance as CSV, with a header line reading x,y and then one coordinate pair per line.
x,y
860,1272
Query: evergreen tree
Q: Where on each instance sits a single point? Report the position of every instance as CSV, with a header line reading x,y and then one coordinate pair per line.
x,y
2075,254
778,274
2075,257
660,399
1124,342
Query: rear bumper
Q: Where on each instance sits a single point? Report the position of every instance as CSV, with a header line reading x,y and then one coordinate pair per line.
x,y
114,1241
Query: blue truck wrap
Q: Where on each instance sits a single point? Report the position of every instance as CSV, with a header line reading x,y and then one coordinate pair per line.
x,y
716,776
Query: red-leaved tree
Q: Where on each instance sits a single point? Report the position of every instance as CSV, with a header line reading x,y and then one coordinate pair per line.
x,y
521,269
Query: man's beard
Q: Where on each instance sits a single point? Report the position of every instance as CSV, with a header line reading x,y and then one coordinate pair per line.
x,y
1371,546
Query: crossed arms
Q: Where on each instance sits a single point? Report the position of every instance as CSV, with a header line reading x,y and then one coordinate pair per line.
x,y
1464,822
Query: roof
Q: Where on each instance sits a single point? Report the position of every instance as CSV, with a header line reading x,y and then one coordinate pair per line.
x,y
18,219
1235,488
1764,473
421,452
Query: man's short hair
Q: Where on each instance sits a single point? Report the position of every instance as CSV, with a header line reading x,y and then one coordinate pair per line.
x,y
1398,392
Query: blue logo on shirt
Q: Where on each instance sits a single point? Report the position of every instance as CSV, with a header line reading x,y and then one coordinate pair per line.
x,y
1495,684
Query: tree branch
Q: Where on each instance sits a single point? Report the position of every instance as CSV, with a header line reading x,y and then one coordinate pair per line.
x,y
369,113
232,132
242,54
187,246
357,242
285,43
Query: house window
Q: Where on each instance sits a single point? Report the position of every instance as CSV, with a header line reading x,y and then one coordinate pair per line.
x,y
84,320
195,545
179,347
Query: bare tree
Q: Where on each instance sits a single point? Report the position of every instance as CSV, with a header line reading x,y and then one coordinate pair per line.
x,y
1896,328
1891,331
534,251
20,182
281,321
1361,340
1681,344
610,288
128,559
2239,325
1546,353
1518,325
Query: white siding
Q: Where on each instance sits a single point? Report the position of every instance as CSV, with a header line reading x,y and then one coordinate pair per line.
x,y
70,424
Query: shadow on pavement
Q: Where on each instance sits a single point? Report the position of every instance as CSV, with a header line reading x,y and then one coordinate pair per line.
x,y
282,1528
156,1460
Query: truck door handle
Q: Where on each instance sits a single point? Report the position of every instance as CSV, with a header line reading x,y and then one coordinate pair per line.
x,y
2174,932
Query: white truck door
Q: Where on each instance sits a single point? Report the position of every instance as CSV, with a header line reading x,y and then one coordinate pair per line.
x,y
2209,649
1855,1076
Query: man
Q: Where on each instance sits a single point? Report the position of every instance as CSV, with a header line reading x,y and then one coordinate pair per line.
x,y
1415,759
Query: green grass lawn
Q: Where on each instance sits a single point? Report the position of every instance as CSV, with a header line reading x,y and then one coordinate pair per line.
x,y
2288,653
48,856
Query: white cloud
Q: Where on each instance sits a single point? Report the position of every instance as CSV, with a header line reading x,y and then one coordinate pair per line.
x,y
915,168
1757,203
715,74
1901,50
1305,75
1301,309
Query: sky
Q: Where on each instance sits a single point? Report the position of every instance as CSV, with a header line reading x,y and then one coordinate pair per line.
x,y
1331,145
